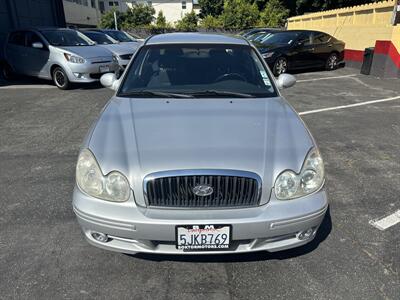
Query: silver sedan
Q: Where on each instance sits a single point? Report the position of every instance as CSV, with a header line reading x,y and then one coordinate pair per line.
x,y
199,153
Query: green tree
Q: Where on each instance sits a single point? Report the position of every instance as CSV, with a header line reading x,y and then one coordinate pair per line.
x,y
161,21
107,19
210,22
139,15
211,7
239,14
274,14
188,22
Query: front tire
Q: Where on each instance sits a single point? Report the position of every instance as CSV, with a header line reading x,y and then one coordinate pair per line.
x,y
280,66
7,72
60,79
332,62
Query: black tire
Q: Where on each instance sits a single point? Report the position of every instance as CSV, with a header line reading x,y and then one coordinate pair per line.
x,y
280,66
7,72
332,62
60,79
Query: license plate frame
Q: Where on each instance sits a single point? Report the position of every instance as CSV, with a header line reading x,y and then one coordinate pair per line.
x,y
200,230
104,69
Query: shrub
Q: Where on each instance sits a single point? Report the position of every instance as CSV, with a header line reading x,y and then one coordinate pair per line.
x,y
274,14
139,15
188,22
210,22
239,14
107,20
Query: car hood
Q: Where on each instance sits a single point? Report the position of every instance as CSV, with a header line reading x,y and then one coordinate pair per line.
x,y
141,136
263,48
118,49
88,51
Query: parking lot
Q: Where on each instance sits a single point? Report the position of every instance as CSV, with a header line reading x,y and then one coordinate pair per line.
x,y
43,254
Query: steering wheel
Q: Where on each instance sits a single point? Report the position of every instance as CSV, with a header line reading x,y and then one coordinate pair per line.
x,y
230,76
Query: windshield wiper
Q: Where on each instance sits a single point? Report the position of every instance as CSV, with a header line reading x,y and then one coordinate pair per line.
x,y
221,93
154,94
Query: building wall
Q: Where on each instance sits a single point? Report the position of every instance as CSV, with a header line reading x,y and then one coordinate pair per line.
x,y
24,13
172,9
81,13
360,27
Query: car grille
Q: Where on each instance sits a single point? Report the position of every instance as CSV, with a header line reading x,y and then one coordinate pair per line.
x,y
233,189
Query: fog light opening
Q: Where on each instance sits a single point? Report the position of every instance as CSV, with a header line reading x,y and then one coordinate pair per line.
x,y
306,234
78,75
100,237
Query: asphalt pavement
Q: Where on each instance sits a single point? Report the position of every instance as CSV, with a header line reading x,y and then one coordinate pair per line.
x,y
43,254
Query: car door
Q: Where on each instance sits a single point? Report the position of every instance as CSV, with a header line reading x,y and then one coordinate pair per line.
x,y
15,51
323,47
35,59
303,51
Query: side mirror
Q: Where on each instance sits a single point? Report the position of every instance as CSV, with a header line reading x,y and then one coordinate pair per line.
x,y
285,81
37,45
109,80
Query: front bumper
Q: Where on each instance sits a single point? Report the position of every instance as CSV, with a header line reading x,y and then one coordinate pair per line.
x,y
89,72
131,229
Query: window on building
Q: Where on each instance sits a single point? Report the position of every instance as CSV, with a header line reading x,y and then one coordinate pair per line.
x,y
101,7
80,2
93,2
183,4
113,3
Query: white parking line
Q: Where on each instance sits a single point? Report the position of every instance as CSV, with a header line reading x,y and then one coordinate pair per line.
x,y
347,106
326,78
27,86
386,222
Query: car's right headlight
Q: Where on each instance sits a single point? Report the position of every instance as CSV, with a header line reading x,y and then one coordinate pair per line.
x,y
74,58
112,187
290,185
268,54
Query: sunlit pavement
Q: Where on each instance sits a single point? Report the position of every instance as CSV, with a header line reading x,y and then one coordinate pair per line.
x,y
43,254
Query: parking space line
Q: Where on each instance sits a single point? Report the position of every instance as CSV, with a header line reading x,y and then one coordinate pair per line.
x,y
326,78
17,87
386,222
348,106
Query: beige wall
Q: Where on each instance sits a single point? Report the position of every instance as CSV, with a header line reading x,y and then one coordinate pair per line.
x,y
80,14
359,27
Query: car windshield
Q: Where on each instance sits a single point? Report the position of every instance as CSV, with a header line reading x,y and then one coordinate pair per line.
x,y
281,38
197,71
66,38
100,38
120,36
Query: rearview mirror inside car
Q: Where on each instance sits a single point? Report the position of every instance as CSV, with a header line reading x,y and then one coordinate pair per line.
x,y
285,81
109,80
37,45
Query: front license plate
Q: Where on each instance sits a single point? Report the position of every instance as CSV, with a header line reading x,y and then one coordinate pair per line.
x,y
203,237
104,69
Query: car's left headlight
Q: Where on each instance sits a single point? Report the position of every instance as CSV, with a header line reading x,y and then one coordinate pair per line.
x,y
112,187
268,54
290,185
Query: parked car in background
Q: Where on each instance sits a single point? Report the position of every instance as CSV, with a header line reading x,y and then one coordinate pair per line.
x,y
121,36
253,31
198,152
122,52
259,34
59,54
300,49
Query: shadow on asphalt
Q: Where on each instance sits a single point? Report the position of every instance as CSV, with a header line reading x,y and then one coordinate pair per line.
x,y
323,233
25,80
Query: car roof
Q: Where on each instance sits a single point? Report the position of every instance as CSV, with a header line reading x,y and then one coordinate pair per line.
x,y
195,38
41,28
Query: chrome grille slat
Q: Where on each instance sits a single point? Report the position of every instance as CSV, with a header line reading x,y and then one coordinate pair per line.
x,y
174,189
